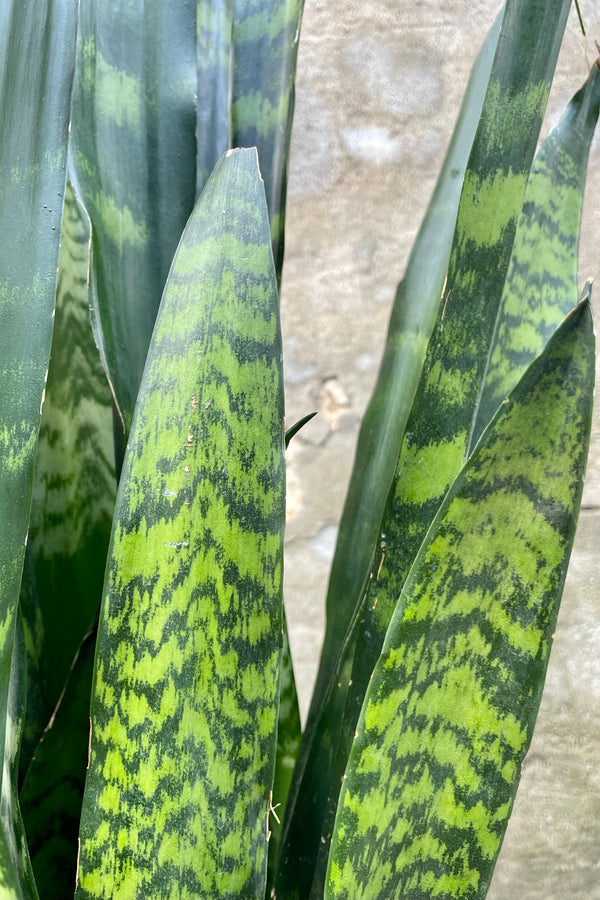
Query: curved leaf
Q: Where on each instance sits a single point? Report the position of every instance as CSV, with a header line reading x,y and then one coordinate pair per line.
x,y
449,712
185,700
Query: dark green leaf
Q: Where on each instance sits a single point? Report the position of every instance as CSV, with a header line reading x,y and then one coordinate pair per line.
x,y
133,148
52,793
246,78
36,50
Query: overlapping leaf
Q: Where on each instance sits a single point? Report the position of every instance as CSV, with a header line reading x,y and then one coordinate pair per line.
x,y
440,422
184,709
52,792
74,486
450,710
36,49
246,81
133,148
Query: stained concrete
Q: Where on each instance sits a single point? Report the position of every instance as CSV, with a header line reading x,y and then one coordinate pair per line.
x,y
379,86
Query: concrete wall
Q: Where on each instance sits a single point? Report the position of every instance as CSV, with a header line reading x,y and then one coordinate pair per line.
x,y
379,86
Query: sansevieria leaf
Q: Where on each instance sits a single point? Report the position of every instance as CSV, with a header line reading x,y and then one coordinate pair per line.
x,y
541,282
133,154
450,709
379,441
439,424
52,792
37,49
74,486
185,699
246,84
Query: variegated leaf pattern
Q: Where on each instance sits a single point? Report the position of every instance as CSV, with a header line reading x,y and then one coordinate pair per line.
x,y
186,693
37,44
379,441
442,418
133,151
247,53
541,283
440,421
449,712
74,486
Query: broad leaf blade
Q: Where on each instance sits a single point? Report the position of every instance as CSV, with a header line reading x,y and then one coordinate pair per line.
x,y
133,151
74,486
36,50
185,701
449,712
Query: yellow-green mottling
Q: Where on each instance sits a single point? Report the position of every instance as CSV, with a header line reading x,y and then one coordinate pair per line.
x,y
184,710
437,755
541,284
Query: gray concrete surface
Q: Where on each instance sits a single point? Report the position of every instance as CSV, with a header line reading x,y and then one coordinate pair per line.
x,y
379,86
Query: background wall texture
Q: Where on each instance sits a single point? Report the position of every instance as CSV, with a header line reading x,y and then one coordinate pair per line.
x,y
379,86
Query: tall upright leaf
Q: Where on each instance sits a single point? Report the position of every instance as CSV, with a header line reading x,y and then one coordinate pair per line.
x,y
412,320
134,150
449,712
540,288
541,283
247,52
184,708
74,486
36,50
439,424
442,419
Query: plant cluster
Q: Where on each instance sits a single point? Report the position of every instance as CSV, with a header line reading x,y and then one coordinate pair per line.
x,y
150,732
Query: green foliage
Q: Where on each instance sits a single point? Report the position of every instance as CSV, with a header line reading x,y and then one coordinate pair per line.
x,y
150,734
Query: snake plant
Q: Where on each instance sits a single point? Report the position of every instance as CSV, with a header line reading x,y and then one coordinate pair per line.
x,y
150,734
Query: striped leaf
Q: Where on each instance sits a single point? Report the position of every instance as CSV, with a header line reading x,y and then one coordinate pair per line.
x,y
379,440
541,283
133,150
184,707
441,421
74,486
539,289
411,323
439,424
247,53
449,713
36,50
